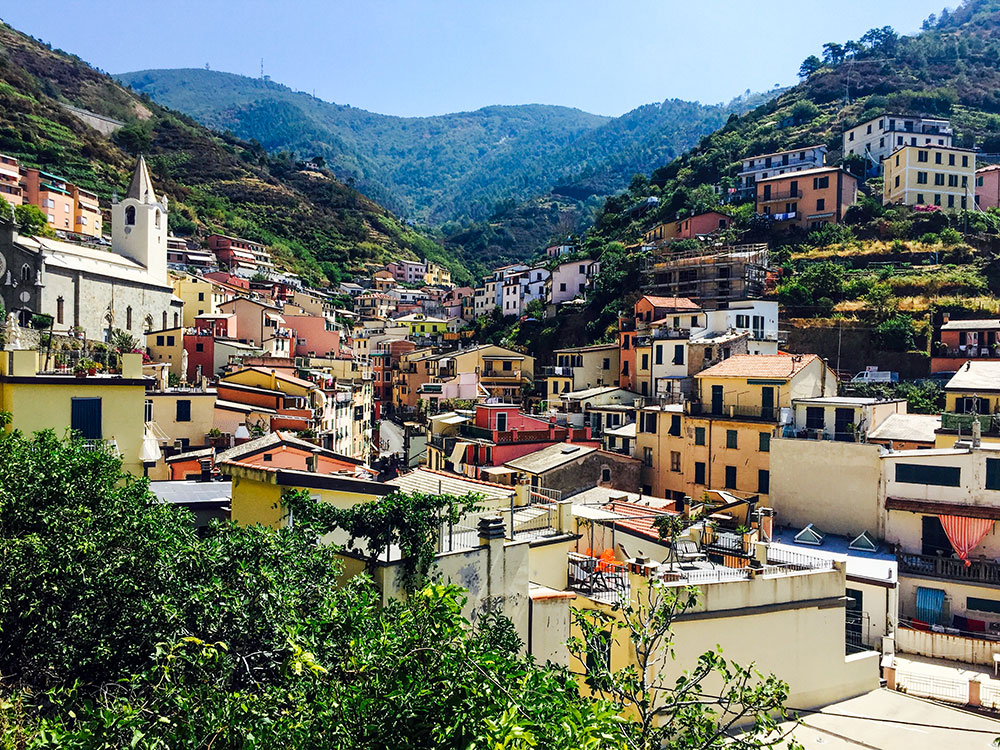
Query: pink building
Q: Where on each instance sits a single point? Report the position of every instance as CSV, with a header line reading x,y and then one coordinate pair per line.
x,y
988,187
314,336
224,277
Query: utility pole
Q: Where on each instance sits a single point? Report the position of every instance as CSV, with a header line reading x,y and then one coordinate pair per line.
x,y
840,337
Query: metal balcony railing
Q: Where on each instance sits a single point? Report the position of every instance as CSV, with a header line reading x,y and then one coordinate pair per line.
x,y
733,411
963,422
950,568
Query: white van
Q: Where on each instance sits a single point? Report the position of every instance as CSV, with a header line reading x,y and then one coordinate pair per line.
x,y
876,376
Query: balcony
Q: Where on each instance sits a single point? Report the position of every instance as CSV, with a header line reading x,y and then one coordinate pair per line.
x,y
988,423
733,411
967,352
558,372
784,195
491,373
950,568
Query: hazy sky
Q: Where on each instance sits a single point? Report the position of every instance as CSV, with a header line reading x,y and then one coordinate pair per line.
x,y
413,57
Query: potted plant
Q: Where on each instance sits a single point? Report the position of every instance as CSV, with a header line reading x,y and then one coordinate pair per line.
x,y
748,537
80,368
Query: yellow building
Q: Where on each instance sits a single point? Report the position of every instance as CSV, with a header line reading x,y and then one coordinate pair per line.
x,y
582,367
200,296
107,410
437,275
167,346
930,175
722,439
181,418
423,326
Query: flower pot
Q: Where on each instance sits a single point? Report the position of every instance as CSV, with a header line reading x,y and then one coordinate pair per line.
x,y
92,371
80,374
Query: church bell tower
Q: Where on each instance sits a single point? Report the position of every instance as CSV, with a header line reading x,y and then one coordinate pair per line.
x,y
139,225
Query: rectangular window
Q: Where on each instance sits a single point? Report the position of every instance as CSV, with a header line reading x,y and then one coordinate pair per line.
x,y
699,439
647,456
170,340
763,481
983,605
953,180
821,204
939,476
731,438
647,422
939,179
819,183
993,473
897,181
678,354
965,161
815,418
921,178
699,472
920,198
951,160
765,442
183,410
85,418
606,364
675,461
659,354
921,156
675,425
937,157
645,361
730,477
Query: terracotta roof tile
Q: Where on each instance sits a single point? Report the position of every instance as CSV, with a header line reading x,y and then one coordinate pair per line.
x,y
759,366
674,303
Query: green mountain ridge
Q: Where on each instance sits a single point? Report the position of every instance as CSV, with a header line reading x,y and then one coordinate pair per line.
x,y
315,225
450,168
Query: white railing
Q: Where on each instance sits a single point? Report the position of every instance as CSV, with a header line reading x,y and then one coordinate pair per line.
x,y
950,689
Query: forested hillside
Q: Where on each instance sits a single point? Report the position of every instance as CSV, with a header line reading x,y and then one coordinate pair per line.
x,y
316,225
451,167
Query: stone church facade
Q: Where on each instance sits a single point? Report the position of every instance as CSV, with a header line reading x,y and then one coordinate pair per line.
x,y
97,289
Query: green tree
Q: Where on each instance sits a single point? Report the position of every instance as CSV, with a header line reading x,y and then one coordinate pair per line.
x,y
896,333
823,279
810,66
31,220
794,294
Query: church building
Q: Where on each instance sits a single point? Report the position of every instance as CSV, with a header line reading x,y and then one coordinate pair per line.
x,y
91,287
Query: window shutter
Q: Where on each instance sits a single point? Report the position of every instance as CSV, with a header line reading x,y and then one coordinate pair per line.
x,y
85,418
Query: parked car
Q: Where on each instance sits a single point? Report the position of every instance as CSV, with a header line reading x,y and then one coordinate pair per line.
x,y
876,376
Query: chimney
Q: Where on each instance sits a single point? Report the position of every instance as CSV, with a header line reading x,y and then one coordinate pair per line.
x,y
977,432
766,524
206,470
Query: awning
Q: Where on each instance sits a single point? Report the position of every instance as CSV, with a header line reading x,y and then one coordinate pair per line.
x,y
457,419
595,514
458,454
274,316
965,533
930,603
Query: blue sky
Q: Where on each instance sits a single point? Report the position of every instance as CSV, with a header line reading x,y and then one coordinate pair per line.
x,y
410,57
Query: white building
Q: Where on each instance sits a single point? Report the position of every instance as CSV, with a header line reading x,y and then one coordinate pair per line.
x,y
757,317
570,280
519,289
875,139
756,168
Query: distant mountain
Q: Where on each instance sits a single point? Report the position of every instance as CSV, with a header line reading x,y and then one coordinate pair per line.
x,y
454,167
315,225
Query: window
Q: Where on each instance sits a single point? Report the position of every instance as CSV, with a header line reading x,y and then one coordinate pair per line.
x,y
645,361
130,215
59,310
951,201
951,160
897,181
993,473
815,418
953,180
965,161
659,354
921,156
605,474
763,481
920,197
647,456
200,347
765,442
170,340
921,178
821,204
699,437
85,418
742,321
819,183
937,158
937,199
562,287
159,340
699,472
647,422
731,438
678,354
675,425
939,476
730,477
201,296
983,605
939,179
128,318
675,461
183,410
606,364
148,411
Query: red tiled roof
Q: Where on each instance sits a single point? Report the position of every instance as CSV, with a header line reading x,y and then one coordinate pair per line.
x,y
673,303
639,517
759,366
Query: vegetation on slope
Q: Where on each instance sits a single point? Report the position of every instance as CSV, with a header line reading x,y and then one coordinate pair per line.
x,y
316,225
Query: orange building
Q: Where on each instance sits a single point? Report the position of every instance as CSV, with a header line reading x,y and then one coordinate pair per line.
x,y
10,180
684,229
808,199
67,207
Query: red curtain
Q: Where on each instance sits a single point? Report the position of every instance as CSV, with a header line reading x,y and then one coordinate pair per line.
x,y
965,533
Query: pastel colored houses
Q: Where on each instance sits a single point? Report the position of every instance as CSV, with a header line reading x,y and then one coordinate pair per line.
x,y
807,199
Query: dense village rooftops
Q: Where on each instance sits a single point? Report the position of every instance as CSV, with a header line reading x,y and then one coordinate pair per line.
x,y
803,173
972,325
759,366
279,439
907,428
878,565
590,348
551,457
976,376
276,373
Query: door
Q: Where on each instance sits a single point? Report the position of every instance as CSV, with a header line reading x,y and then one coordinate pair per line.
x,y
767,402
933,539
502,422
854,626
843,425
716,399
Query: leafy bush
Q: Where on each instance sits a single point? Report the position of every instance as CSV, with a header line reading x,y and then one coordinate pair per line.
x,y
896,333
794,294
950,236
823,279
830,234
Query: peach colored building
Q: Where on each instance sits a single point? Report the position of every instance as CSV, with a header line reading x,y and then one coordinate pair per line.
x,y
684,229
988,187
808,199
10,180
314,336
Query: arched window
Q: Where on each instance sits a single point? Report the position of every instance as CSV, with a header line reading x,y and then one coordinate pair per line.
x,y
25,272
128,318
177,319
60,305
129,215
147,324
164,320
157,218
